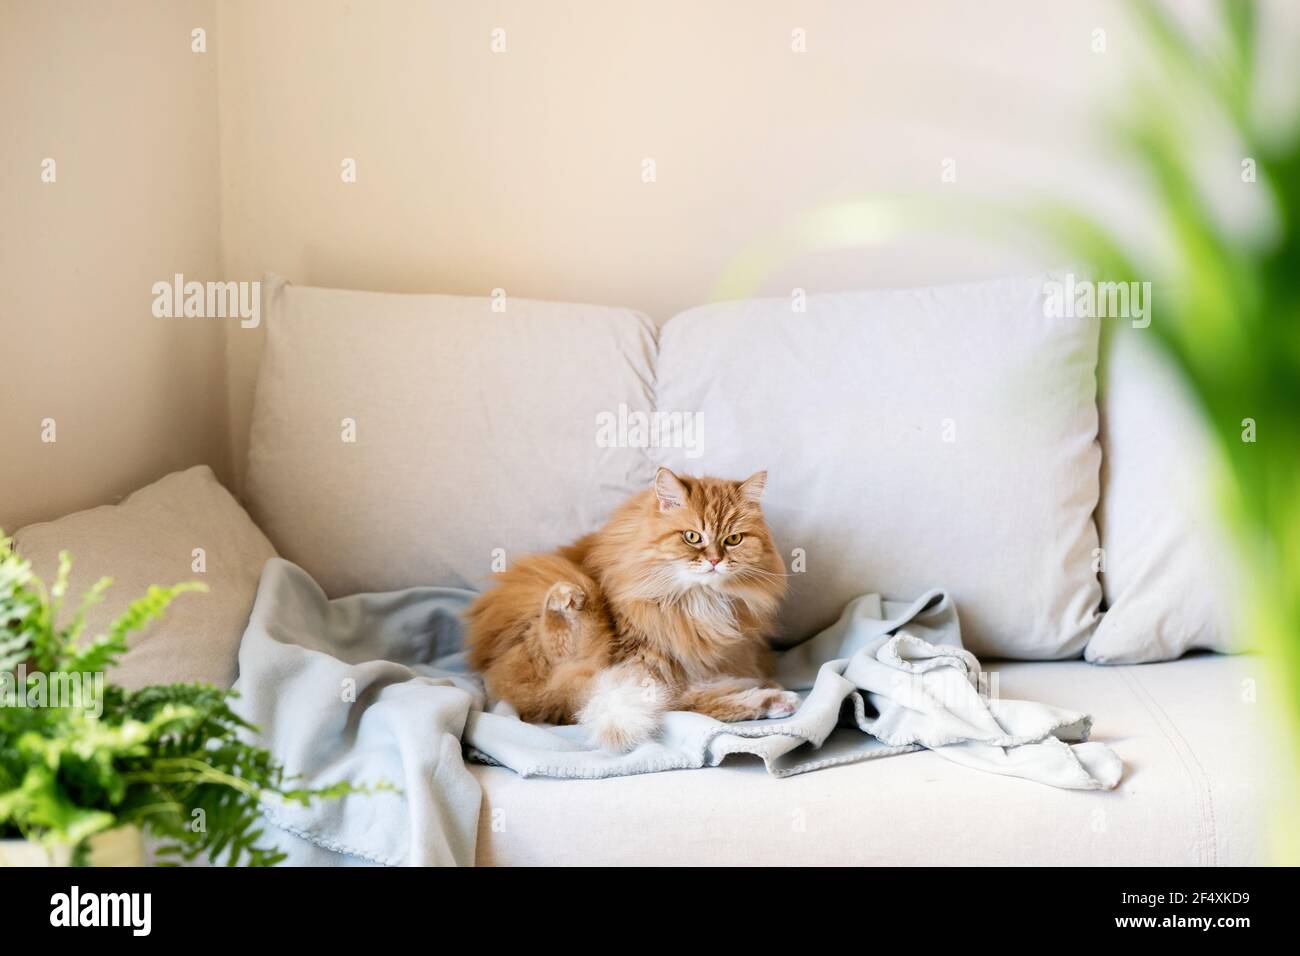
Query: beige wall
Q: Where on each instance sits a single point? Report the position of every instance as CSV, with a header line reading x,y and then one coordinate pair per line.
x,y
477,170
111,92
523,170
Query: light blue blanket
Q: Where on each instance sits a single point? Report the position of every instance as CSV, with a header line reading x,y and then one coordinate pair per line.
x,y
374,687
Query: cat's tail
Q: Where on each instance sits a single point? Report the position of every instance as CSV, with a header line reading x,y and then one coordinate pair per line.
x,y
624,707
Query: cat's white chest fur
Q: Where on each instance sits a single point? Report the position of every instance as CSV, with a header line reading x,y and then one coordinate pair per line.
x,y
710,609
712,617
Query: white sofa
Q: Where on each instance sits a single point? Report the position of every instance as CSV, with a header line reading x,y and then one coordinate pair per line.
x,y
919,438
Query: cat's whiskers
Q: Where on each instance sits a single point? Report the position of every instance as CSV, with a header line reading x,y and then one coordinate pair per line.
x,y
757,572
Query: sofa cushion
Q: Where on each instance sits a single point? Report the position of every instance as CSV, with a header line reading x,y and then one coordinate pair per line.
x,y
1169,573
923,438
152,538
417,439
1196,773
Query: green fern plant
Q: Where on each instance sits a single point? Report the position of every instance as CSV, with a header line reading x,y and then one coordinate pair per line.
x,y
171,760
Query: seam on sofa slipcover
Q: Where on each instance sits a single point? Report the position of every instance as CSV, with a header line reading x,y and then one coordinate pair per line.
x,y
1196,775
1207,786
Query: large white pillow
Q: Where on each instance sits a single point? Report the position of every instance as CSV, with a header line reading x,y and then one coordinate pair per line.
x,y
1169,571
183,527
476,435
924,438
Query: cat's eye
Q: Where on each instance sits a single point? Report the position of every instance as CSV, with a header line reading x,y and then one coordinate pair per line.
x,y
732,540
692,537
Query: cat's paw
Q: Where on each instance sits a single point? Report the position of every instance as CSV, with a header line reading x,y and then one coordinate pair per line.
x,y
565,598
781,703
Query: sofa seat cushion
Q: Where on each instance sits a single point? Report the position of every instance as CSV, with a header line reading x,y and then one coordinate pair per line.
x,y
1192,793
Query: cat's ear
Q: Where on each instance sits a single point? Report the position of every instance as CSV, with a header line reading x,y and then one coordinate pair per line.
x,y
751,489
669,489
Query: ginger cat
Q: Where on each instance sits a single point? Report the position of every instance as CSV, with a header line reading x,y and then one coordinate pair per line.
x,y
667,607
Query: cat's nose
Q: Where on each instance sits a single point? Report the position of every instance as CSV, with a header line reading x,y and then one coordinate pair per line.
x,y
714,561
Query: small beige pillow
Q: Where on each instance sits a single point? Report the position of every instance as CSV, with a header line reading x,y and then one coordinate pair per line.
x,y
183,527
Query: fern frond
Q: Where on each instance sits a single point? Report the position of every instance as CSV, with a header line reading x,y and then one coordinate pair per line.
x,y
105,650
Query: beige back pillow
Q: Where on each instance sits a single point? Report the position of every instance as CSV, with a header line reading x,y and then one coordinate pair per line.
x,y
403,440
916,438
1169,573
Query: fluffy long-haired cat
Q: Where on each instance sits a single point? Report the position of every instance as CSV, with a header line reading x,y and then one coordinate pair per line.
x,y
667,607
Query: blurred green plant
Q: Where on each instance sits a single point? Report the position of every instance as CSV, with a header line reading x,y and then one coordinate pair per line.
x,y
1226,302
170,760
1227,305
